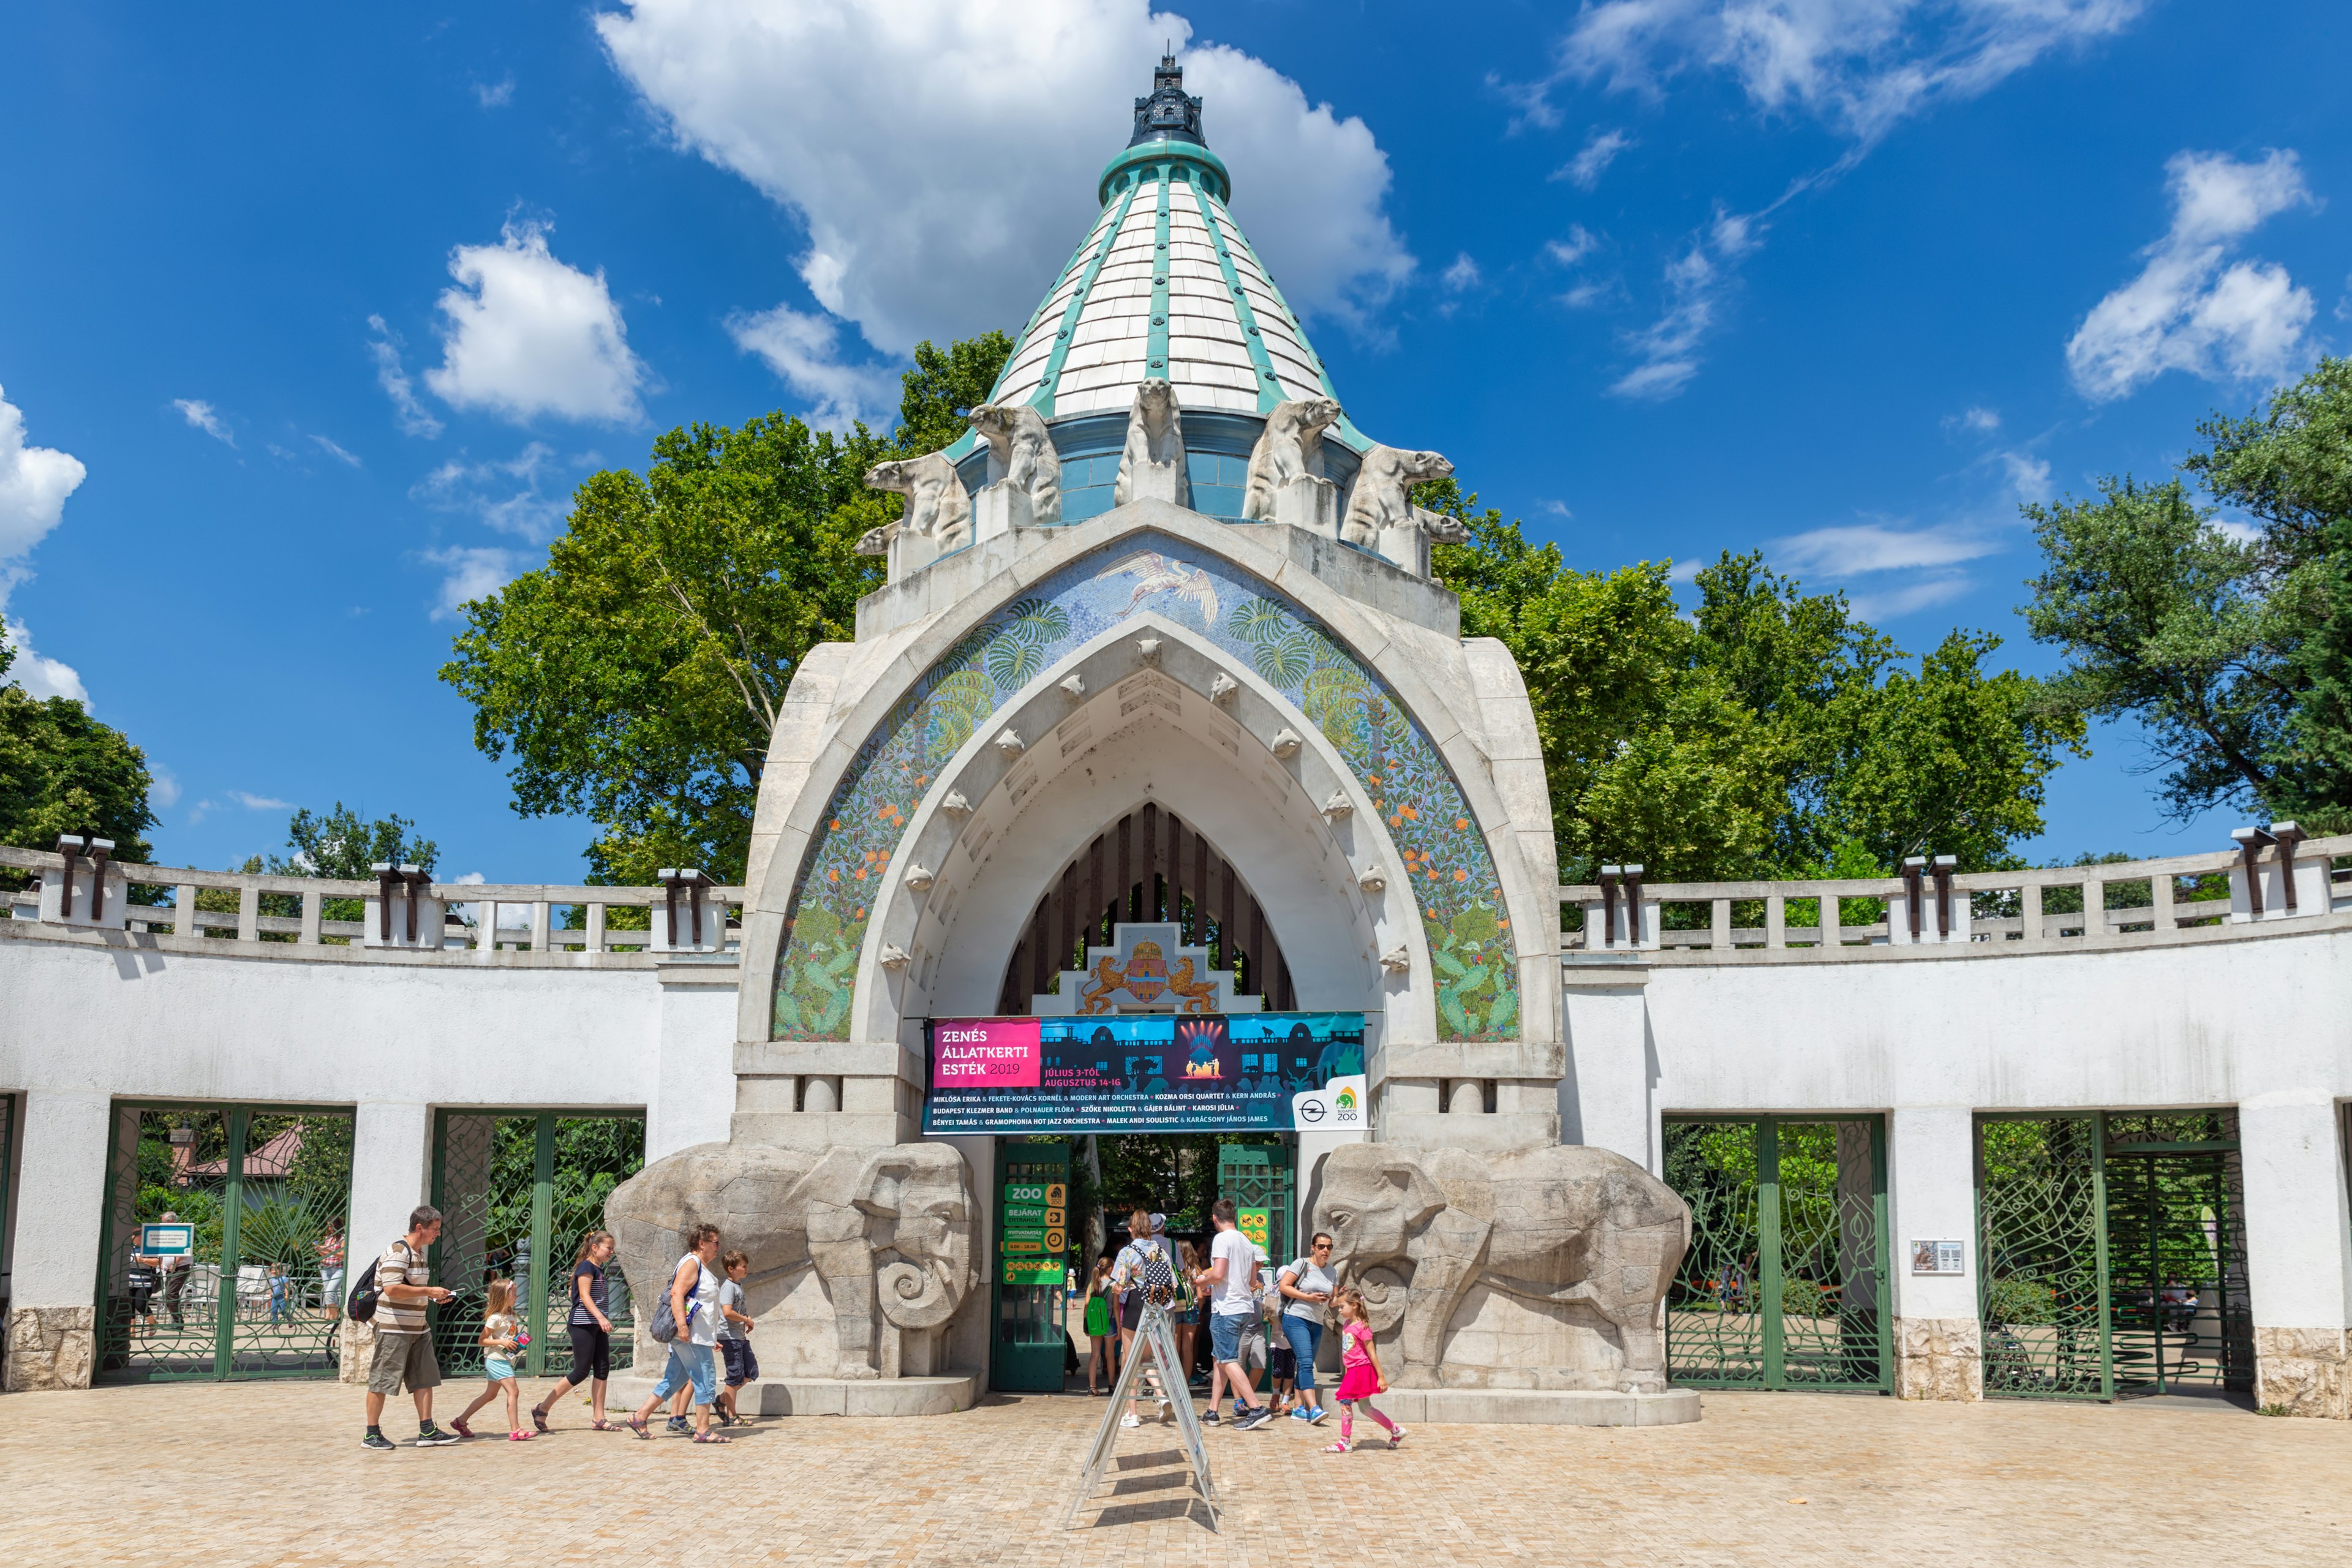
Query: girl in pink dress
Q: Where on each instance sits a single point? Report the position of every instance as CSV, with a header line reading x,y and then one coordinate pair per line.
x,y
1360,1372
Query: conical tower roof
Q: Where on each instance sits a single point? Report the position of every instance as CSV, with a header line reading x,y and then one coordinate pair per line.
x,y
1165,284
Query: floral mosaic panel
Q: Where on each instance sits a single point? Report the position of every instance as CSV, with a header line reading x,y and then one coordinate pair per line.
x,y
1453,876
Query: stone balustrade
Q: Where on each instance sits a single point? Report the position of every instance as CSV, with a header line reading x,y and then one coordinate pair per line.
x,y
2179,897
502,919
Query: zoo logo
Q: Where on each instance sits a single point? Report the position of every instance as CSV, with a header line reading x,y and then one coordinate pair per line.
x,y
1347,1103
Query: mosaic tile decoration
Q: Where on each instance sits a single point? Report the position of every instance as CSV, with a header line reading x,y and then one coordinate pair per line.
x,y
1452,874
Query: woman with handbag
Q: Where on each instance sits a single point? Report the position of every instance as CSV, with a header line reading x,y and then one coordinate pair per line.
x,y
1306,1285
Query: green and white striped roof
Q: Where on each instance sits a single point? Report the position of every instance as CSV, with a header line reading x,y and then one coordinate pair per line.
x,y
1165,285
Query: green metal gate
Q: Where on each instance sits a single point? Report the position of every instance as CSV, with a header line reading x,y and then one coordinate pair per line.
x,y
1785,1284
2111,1255
517,1191
1258,1178
1027,1302
267,1191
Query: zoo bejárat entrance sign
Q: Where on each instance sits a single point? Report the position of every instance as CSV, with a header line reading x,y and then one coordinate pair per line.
x,y
1216,1073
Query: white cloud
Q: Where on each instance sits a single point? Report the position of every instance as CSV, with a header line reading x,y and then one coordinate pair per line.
x,y
1668,347
334,451
2185,310
805,349
1599,151
406,411
252,802
471,572
508,495
1585,296
33,484
495,94
1977,421
164,788
38,675
2028,476
1860,547
2238,531
1862,65
1462,274
1889,604
843,113
1578,245
204,417
527,335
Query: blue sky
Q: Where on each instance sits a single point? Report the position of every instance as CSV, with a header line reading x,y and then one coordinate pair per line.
x,y
308,321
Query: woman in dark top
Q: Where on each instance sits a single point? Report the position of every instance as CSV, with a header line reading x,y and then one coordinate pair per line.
x,y
591,1334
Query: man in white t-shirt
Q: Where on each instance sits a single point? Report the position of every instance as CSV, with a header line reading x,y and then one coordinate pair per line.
x,y
1229,1282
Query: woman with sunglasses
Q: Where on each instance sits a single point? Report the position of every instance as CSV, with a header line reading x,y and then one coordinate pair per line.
x,y
1306,1284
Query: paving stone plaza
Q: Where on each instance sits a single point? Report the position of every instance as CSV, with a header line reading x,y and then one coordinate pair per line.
x,y
268,1474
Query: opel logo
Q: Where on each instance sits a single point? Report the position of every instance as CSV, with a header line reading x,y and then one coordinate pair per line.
x,y
1312,1111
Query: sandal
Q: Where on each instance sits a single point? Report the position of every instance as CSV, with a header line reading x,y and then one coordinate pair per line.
x,y
711,1438
457,1424
601,1425
640,1428
1342,1446
539,1417
520,1436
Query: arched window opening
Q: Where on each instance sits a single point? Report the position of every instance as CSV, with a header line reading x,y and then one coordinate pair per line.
x,y
1149,865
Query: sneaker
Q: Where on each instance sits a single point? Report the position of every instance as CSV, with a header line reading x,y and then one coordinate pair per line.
x,y
376,1440
1208,1419
1303,1413
1128,1420
1255,1419
679,1424
434,1438
1396,1438
1315,1416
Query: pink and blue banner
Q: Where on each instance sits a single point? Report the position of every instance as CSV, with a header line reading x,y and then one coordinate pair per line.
x,y
1218,1072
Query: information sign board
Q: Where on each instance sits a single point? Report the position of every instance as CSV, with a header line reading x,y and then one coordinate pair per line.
x,y
173,1240
1258,1225
1217,1072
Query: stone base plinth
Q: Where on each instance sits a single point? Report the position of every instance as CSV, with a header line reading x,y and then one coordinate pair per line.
x,y
829,1395
50,1347
1939,1358
1537,1407
2302,1372
356,1352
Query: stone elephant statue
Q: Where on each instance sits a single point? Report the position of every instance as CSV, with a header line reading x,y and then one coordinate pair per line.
x,y
888,1229
1415,1229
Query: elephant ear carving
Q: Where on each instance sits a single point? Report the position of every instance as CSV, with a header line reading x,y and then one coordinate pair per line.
x,y
1422,1199
880,1185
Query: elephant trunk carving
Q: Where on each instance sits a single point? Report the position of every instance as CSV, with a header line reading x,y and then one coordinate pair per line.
x,y
887,1232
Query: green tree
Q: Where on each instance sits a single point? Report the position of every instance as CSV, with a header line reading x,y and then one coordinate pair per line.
x,y
1771,732
637,676
341,846
2231,645
61,771
2162,617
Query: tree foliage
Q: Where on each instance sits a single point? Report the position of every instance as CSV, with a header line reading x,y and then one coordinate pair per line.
x,y
61,771
1771,732
2231,645
637,676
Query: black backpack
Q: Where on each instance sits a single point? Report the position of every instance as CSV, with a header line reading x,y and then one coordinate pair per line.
x,y
361,1308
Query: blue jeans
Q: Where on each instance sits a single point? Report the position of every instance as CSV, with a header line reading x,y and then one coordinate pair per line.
x,y
1304,1334
690,1363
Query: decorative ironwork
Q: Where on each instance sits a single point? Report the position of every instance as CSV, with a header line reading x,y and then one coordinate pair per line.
x,y
1785,1284
517,1192
2042,1297
267,1191
2176,1255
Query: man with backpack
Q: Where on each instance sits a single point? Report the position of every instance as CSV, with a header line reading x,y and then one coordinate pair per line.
x,y
394,1295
